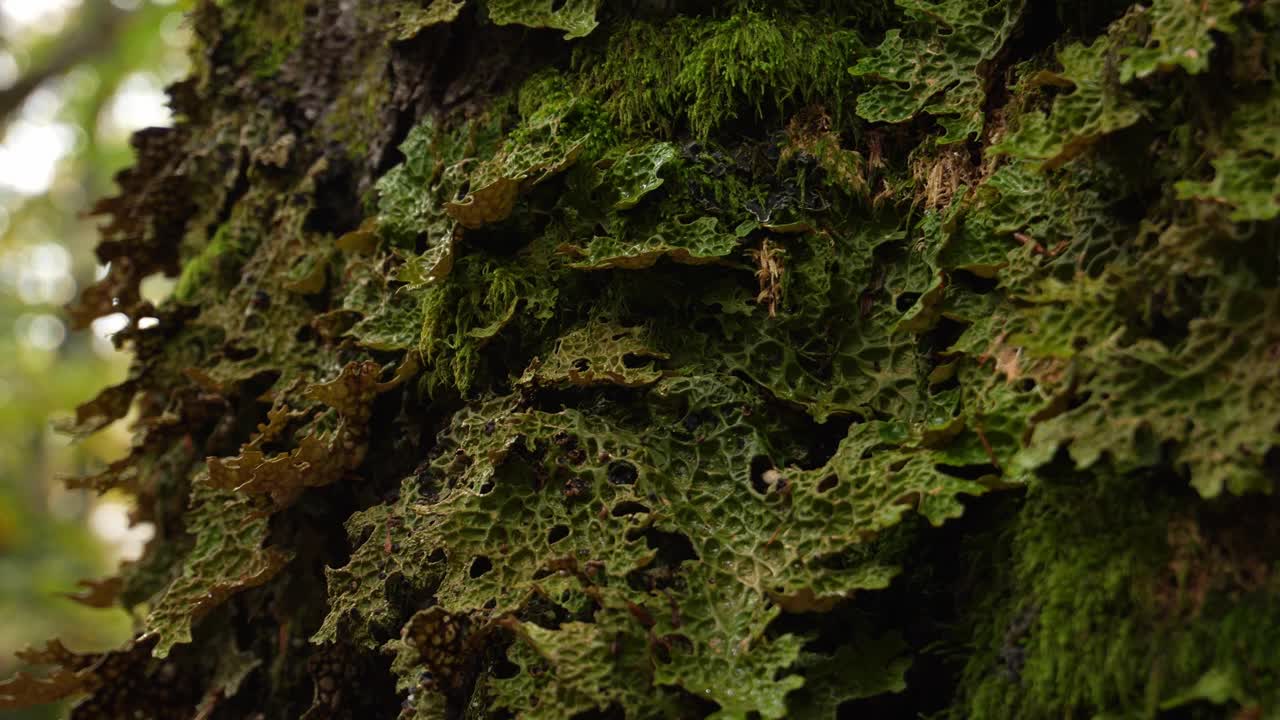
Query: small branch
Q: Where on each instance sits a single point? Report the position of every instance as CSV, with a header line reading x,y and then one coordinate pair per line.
x,y
94,32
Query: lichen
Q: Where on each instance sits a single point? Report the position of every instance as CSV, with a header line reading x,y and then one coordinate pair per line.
x,y
227,558
936,68
576,17
787,359
1246,168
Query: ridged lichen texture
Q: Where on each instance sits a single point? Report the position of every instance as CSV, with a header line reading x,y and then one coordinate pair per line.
x,y
681,359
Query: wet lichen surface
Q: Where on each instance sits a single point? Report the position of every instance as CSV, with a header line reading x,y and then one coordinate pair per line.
x,y
684,359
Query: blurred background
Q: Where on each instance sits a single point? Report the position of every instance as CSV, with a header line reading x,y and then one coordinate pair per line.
x,y
76,78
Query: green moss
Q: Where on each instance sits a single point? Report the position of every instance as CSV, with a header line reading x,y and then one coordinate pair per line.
x,y
705,72
1120,610
264,33
223,248
482,296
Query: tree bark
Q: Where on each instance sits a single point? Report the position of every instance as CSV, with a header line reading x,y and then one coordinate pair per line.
x,y
682,359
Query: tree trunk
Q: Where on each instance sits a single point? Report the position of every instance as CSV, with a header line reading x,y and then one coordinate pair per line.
x,y
558,358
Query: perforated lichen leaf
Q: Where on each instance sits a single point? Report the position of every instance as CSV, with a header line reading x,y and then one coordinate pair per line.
x,y
570,473
934,65
1019,210
576,17
323,455
1015,198
691,242
72,674
227,558
731,661
869,367
412,195
583,486
1181,35
391,315
523,162
598,353
859,363
485,563
632,173
431,265
1114,413
411,18
556,126
261,310
871,663
1092,104
1221,380
574,669
779,538
491,202
880,458
393,543
413,204
923,275
557,488
392,551
610,661
717,647
1247,168
119,683
1249,184
781,544
995,408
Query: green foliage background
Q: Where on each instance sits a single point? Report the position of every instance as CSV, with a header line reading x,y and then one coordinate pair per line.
x,y
46,544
